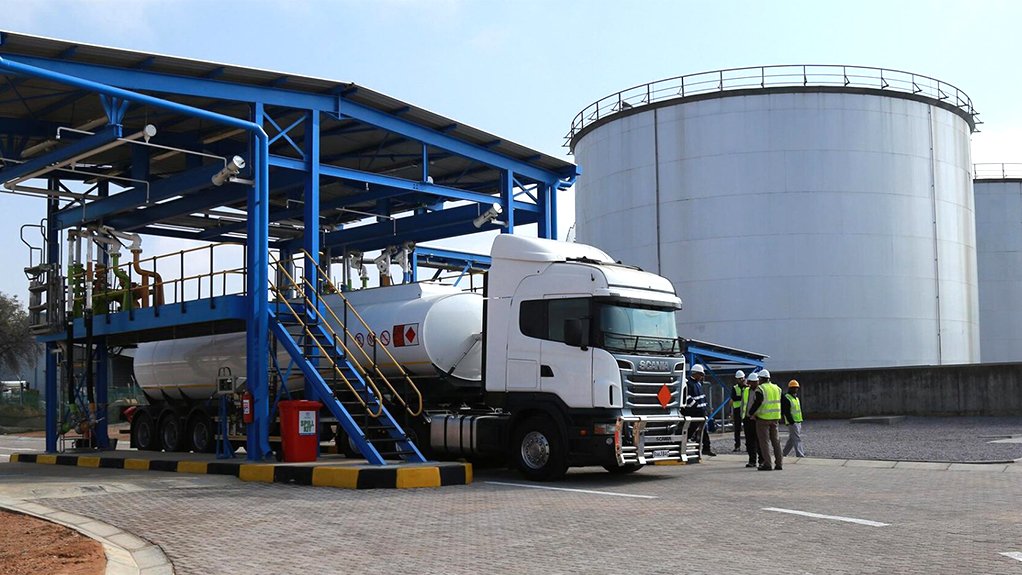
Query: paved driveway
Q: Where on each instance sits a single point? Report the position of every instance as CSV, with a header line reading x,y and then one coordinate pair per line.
x,y
707,518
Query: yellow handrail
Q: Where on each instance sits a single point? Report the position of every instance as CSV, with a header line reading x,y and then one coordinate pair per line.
x,y
376,367
295,286
333,364
326,277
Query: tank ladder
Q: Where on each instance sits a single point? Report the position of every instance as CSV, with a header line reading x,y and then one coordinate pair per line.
x,y
349,391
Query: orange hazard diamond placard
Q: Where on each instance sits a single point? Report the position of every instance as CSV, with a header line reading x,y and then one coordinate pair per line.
x,y
664,395
406,335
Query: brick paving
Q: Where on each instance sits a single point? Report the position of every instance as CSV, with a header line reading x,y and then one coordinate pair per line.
x,y
940,522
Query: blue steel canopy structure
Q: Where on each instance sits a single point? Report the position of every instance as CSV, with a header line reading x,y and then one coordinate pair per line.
x,y
320,158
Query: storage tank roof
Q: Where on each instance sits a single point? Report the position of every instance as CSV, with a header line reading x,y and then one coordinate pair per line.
x,y
783,78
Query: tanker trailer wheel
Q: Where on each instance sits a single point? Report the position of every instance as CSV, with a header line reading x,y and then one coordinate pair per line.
x,y
143,431
624,469
171,432
345,446
538,450
201,436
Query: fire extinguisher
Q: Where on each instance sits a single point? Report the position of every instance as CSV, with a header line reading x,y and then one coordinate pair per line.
x,y
246,407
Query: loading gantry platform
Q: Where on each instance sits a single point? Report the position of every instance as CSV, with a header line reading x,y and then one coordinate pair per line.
x,y
273,178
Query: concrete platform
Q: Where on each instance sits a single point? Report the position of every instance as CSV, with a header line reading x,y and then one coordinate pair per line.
x,y
328,471
879,419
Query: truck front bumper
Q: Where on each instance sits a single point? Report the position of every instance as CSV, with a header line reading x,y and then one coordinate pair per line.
x,y
642,439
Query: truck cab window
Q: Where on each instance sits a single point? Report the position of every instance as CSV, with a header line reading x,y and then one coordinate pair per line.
x,y
637,329
544,319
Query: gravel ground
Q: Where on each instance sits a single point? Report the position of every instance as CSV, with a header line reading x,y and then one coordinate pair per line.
x,y
954,439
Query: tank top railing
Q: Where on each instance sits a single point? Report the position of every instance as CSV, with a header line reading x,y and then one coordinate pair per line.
x,y
325,280
281,297
759,77
997,171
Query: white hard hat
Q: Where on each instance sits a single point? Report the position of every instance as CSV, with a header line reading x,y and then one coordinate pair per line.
x,y
739,374
764,374
698,368
753,376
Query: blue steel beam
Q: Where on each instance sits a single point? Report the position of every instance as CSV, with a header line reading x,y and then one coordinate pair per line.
x,y
336,105
40,164
433,226
385,181
177,185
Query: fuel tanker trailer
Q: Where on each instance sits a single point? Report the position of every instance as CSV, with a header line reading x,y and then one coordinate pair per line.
x,y
568,358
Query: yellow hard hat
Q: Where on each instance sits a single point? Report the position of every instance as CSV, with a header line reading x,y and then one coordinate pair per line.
x,y
793,383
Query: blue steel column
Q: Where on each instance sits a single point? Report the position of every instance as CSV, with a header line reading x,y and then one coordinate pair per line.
x,y
551,207
257,288
543,202
507,200
103,357
310,212
52,393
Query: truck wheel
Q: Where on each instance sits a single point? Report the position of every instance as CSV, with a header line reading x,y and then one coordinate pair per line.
x,y
538,450
623,469
171,434
143,432
344,445
200,433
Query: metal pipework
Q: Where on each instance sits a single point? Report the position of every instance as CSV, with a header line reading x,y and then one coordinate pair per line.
x,y
146,132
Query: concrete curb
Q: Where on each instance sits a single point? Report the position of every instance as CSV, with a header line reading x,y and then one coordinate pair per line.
x,y
986,467
324,475
126,554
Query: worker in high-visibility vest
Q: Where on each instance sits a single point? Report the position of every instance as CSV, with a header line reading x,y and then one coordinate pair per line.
x,y
736,407
791,413
751,441
695,406
766,410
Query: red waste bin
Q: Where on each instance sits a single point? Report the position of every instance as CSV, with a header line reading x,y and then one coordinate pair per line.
x,y
299,430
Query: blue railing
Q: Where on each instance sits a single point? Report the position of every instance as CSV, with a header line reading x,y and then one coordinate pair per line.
x,y
769,77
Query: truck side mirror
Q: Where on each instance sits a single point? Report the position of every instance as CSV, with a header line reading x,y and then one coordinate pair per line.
x,y
575,333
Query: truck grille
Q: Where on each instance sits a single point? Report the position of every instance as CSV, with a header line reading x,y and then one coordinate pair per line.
x,y
641,393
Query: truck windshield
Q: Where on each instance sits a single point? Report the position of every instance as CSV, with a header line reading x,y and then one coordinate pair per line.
x,y
631,328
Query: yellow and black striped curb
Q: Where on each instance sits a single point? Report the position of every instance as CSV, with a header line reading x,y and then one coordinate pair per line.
x,y
385,477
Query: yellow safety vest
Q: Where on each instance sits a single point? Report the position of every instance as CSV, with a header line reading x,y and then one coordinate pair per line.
x,y
745,402
796,408
737,403
770,409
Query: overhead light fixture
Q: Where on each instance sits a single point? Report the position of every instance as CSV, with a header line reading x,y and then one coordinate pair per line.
x,y
488,216
233,168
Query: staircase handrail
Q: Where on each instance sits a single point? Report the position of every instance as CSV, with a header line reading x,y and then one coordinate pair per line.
x,y
321,273
326,355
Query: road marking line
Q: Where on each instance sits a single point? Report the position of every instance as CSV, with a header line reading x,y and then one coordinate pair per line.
x,y
17,449
572,490
1014,555
834,517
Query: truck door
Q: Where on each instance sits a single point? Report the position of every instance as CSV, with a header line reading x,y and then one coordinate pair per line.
x,y
566,370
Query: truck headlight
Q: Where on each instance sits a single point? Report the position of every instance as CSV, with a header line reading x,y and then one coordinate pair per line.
x,y
604,428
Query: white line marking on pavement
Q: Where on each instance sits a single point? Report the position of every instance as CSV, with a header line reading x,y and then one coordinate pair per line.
x,y
834,517
572,490
1014,555
17,448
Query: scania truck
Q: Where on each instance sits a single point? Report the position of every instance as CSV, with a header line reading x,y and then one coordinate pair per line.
x,y
567,358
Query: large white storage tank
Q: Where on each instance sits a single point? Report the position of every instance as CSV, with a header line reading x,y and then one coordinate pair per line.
x,y
998,189
822,215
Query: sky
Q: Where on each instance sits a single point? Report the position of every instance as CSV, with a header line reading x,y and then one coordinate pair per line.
x,y
522,69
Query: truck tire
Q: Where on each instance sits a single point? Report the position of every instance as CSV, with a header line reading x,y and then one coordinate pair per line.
x,y
344,445
623,469
143,431
539,450
171,432
201,433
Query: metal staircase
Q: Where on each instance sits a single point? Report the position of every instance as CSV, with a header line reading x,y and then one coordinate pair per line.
x,y
350,390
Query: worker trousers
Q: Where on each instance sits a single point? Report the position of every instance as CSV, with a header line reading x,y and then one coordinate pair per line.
x,y
766,432
751,443
736,416
794,440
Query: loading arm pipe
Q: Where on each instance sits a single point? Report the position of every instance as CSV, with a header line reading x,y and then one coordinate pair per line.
x,y
258,255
